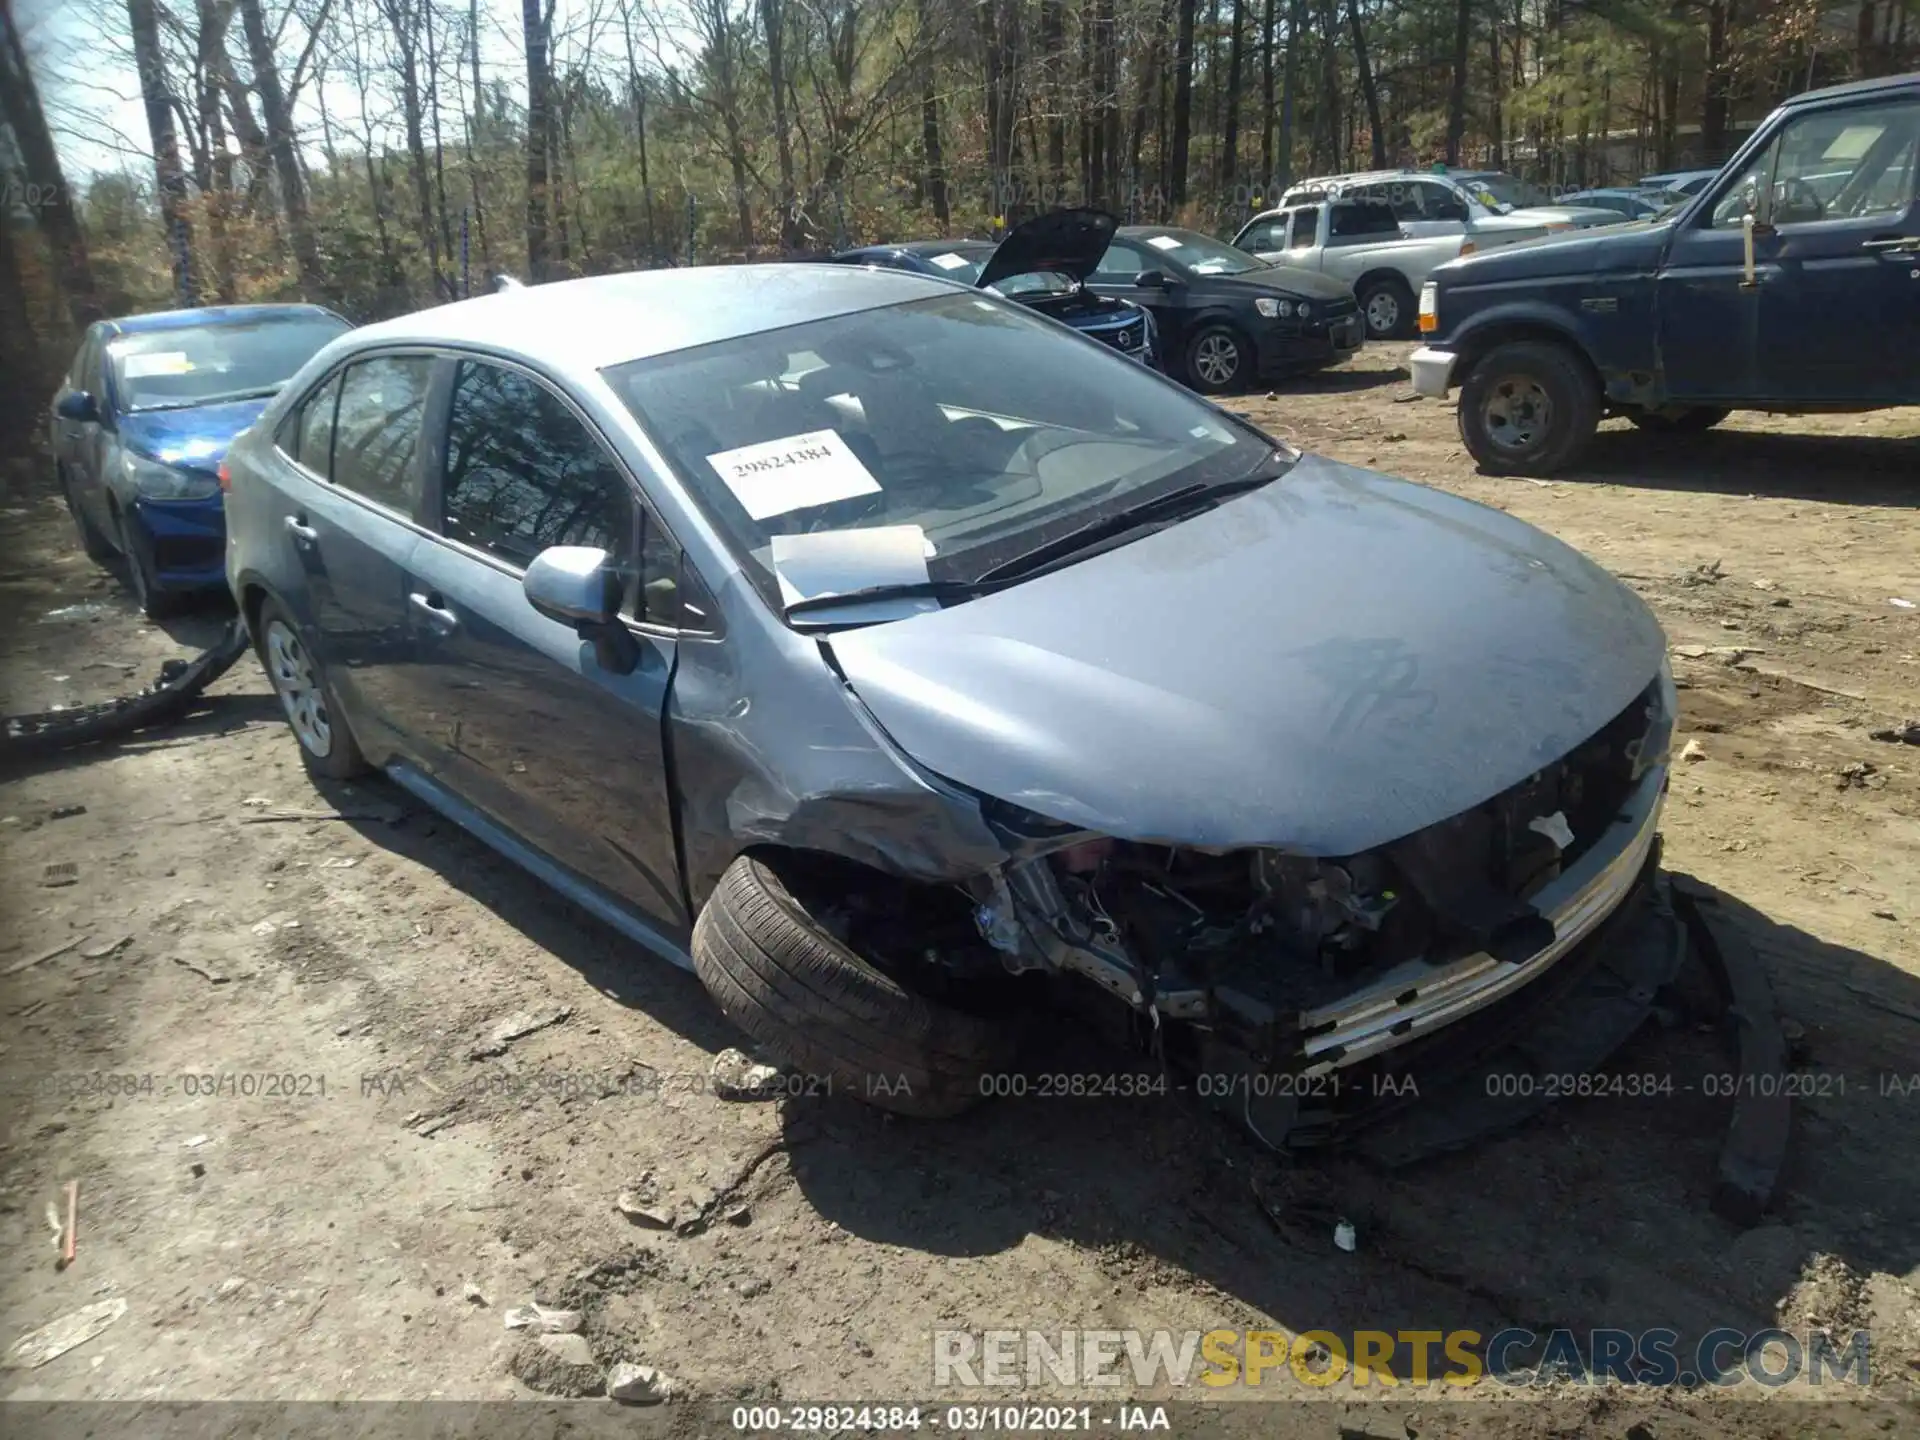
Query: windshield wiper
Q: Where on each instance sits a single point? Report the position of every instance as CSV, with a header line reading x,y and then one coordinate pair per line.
x,y
903,590
1171,505
225,398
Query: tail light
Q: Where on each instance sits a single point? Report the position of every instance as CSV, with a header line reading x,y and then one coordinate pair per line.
x,y
226,477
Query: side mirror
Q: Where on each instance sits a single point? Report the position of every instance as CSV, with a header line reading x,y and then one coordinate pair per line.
x,y
579,586
1152,280
79,407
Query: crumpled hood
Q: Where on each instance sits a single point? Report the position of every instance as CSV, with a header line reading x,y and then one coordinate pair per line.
x,y
1287,280
1326,664
194,439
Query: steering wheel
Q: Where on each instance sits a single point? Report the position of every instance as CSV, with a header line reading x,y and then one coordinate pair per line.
x,y
1795,202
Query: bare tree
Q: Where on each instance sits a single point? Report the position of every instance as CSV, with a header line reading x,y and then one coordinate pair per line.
x,y
536,21
27,119
157,99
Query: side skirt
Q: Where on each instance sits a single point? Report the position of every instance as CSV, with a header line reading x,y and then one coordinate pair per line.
x,y
587,896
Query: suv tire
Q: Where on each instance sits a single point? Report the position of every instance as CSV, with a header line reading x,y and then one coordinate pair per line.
x,y
1527,408
780,976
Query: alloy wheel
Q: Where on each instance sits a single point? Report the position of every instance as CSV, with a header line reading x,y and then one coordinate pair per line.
x,y
1217,359
298,687
1517,412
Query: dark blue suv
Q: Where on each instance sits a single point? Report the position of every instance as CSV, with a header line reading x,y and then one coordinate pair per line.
x,y
143,420
1790,283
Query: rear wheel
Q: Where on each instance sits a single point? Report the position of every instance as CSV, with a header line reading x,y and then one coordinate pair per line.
x,y
765,952
1680,420
1527,408
1219,357
326,744
1387,304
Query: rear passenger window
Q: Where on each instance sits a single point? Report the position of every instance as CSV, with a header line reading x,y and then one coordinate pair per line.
x,y
377,430
523,473
315,440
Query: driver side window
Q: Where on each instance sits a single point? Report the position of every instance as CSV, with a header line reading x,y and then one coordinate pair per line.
x,y
1837,164
1120,264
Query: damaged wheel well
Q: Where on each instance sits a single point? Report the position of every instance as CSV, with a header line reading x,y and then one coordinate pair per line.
x,y
921,931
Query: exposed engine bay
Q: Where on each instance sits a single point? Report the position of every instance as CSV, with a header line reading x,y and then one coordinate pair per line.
x,y
1264,950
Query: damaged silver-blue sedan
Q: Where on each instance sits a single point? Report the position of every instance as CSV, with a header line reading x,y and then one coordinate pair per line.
x,y
905,665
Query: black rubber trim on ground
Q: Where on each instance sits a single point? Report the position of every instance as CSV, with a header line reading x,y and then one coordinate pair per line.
x,y
26,737
822,1008
1755,1150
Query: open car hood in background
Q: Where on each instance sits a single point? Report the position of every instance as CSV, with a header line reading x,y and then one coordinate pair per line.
x,y
1067,242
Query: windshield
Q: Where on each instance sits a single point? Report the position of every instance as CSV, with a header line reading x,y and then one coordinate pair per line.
x,y
962,265
1500,191
979,427
199,364
1201,254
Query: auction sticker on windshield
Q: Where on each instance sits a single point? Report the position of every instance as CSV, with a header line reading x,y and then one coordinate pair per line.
x,y
157,362
1164,242
951,261
775,477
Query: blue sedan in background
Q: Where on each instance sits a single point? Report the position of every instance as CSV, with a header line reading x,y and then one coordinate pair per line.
x,y
143,420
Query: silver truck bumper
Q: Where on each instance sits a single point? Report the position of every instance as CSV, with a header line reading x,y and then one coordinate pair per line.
x,y
1432,371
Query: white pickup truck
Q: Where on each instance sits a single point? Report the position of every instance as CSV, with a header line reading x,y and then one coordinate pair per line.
x,y
1359,241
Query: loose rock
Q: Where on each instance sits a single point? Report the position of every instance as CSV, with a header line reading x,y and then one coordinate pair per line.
x,y
736,1077
639,1384
1693,751
636,1209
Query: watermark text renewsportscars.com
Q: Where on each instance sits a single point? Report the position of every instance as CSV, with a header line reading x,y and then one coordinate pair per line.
x,y
1215,1359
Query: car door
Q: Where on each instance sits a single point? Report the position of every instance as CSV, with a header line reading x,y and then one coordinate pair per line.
x,y
1839,272
517,712
1708,319
348,505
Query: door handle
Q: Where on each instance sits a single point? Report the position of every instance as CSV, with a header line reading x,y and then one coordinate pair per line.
x,y
298,528
1893,244
434,609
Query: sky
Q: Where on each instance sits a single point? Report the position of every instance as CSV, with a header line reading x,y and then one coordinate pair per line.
x,y
82,56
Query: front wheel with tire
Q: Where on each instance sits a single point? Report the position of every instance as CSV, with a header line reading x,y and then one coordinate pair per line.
x,y
1528,407
1679,420
326,744
1387,304
768,958
155,602
98,547
1219,357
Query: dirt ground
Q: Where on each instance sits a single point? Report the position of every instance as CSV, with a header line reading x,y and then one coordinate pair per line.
x,y
311,1188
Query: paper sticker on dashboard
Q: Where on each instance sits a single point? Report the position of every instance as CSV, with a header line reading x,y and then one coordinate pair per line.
x,y
798,472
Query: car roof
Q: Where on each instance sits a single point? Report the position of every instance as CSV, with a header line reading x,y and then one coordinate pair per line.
x,y
1852,88
213,315
580,326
